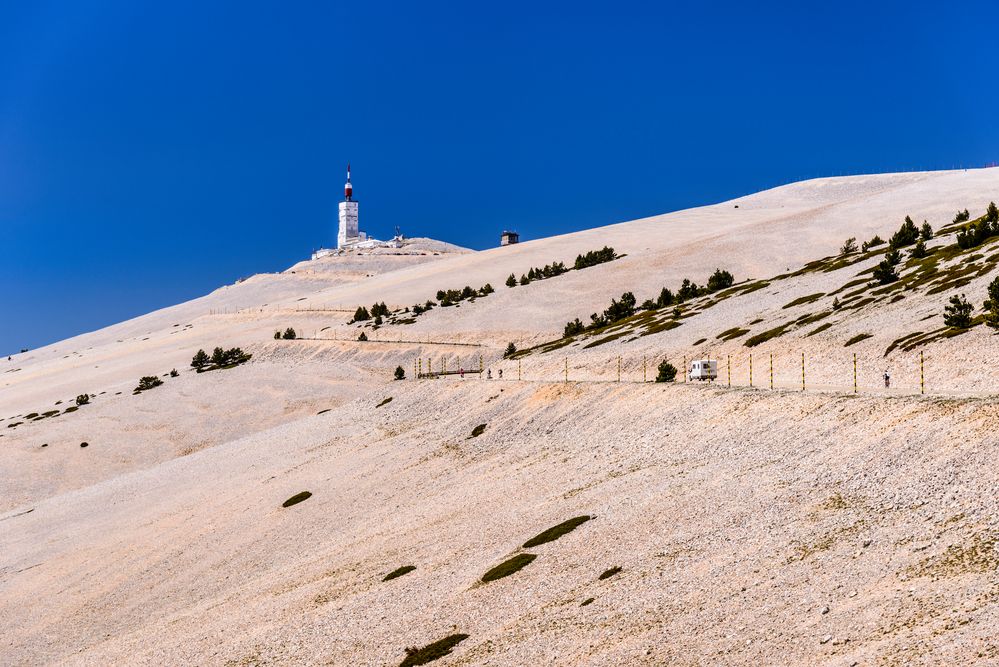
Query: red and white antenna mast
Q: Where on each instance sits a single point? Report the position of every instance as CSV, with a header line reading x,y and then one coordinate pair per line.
x,y
347,189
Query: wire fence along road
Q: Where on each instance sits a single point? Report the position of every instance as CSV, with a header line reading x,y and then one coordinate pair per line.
x,y
743,373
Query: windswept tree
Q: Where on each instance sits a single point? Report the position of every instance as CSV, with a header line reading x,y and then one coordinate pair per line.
x,y
958,313
720,280
849,246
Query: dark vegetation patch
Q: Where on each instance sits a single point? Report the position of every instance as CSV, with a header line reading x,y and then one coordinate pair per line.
x,y
478,430
84,444
219,360
812,318
819,329
699,341
72,408
508,567
385,401
901,341
607,574
556,532
811,298
585,602
322,412
398,572
761,338
431,652
732,334
856,339
297,498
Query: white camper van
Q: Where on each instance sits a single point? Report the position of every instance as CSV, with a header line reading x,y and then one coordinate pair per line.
x,y
703,369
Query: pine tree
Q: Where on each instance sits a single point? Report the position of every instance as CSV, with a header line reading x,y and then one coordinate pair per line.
x,y
991,305
200,360
289,334
919,250
218,357
666,372
926,232
362,313
849,246
511,281
363,336
665,298
511,349
958,313
720,280
400,373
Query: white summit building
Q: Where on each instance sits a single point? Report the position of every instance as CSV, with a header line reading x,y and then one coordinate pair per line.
x,y
349,235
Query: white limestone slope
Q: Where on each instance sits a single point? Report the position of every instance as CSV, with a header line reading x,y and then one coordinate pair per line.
x,y
737,515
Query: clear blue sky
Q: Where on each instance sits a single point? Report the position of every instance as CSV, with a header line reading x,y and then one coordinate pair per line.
x,y
150,152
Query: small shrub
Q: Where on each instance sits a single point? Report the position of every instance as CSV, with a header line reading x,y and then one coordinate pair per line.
x,y
607,574
508,567
82,399
395,574
297,498
277,335
384,401
289,334
478,430
363,336
400,373
835,303
919,250
884,273
720,280
849,246
876,241
958,313
511,281
571,329
556,532
594,257
667,372
962,216
511,350
148,382
665,298
431,652
174,373
84,444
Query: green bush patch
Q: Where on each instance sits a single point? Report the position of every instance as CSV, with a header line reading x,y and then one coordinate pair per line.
x,y
556,532
384,402
478,430
610,573
508,567
431,652
759,338
858,338
405,569
805,299
730,334
819,329
297,498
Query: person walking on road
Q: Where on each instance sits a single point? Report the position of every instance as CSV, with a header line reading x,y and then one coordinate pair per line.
x,y
501,374
489,374
461,372
887,379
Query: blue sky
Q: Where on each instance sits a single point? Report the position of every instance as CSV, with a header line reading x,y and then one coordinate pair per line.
x,y
150,152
